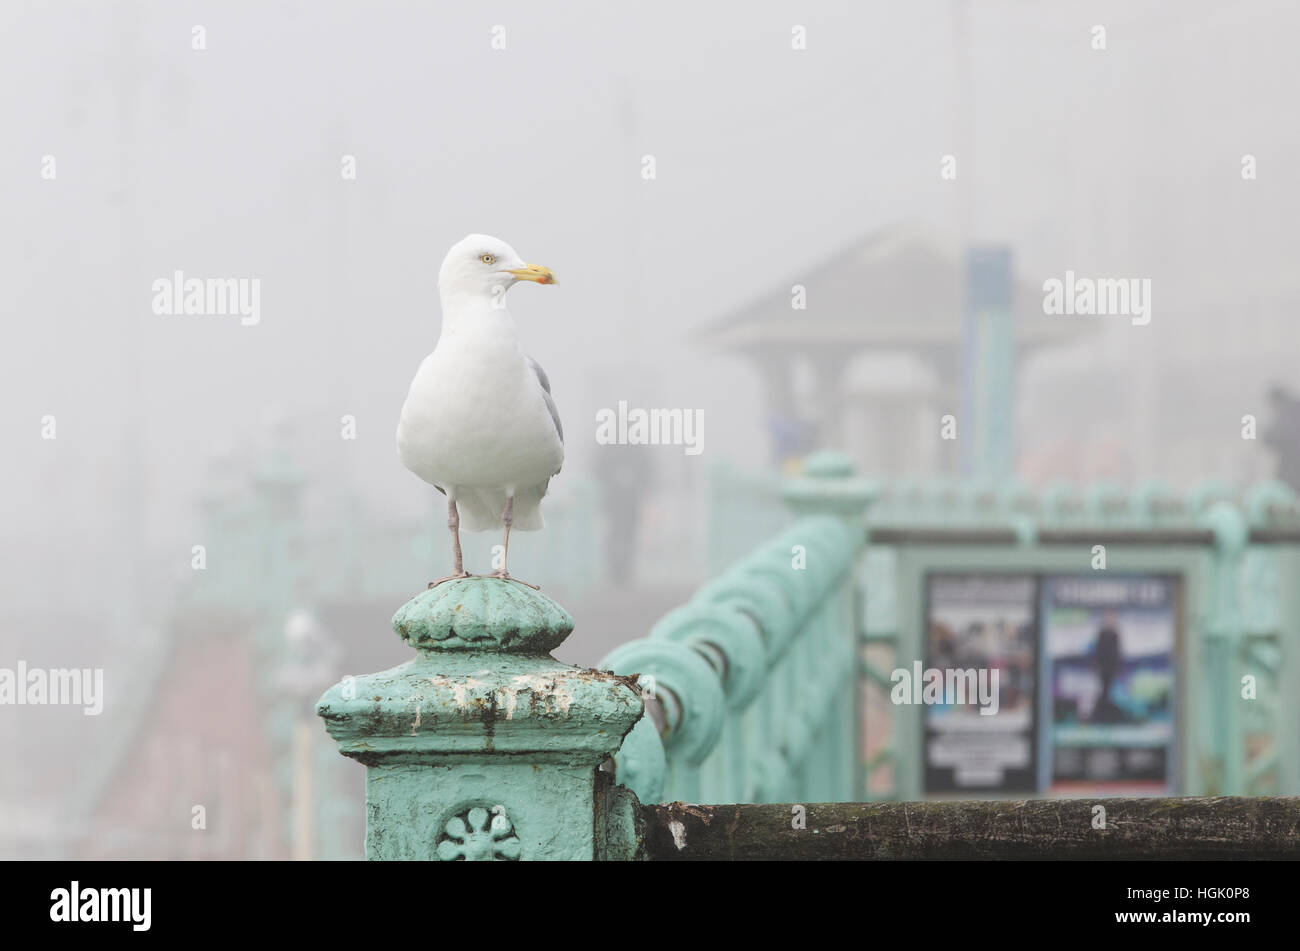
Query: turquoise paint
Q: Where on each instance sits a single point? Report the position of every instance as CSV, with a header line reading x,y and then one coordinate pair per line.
x,y
482,746
755,674
1242,612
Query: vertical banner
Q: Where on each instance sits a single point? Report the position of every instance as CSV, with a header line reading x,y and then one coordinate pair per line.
x,y
977,684
1110,677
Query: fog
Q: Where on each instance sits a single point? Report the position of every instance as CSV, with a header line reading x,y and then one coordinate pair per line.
x,y
335,151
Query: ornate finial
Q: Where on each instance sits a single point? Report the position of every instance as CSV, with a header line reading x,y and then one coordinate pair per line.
x,y
828,464
483,614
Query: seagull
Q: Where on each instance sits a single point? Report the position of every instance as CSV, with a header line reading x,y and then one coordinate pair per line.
x,y
479,423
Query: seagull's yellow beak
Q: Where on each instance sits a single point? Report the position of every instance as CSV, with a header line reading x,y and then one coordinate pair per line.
x,y
535,272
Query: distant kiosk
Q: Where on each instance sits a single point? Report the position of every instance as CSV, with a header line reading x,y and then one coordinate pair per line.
x,y
872,353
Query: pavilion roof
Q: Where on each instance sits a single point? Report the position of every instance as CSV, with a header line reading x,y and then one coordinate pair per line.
x,y
898,288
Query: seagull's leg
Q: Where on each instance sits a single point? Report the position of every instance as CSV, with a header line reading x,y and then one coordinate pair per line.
x,y
453,523
507,519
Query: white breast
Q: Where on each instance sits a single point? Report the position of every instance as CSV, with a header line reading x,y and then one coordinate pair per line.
x,y
475,416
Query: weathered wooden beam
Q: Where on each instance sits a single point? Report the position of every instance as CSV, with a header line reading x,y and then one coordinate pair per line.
x,y
923,535
1274,536
1188,828
1107,535
1095,535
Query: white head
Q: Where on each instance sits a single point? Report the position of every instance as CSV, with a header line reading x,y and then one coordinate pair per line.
x,y
480,264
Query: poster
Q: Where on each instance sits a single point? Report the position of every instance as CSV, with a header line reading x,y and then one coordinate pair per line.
x,y
981,632
1110,678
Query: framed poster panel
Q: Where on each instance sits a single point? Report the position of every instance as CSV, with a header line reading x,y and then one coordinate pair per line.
x,y
1109,676
978,684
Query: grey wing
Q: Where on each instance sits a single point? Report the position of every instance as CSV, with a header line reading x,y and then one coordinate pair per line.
x,y
546,395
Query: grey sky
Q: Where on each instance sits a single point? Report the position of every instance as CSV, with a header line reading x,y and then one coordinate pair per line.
x,y
225,162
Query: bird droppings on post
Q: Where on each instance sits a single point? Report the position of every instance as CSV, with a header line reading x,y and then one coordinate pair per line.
x,y
547,694
679,834
511,698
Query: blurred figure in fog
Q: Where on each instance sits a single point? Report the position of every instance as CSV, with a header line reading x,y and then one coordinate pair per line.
x,y
1283,435
626,475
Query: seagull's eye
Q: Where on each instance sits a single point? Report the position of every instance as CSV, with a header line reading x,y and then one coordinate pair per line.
x,y
487,258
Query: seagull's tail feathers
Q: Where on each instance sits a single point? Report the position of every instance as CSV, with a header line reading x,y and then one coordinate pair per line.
x,y
481,510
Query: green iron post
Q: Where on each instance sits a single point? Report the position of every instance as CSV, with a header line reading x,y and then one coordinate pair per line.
x,y
830,486
483,746
1223,636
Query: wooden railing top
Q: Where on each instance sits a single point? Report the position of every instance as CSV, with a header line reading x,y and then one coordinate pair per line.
x,y
1128,829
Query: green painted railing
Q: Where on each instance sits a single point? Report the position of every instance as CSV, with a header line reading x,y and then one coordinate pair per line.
x,y
753,680
1232,551
751,686
482,746
1238,552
